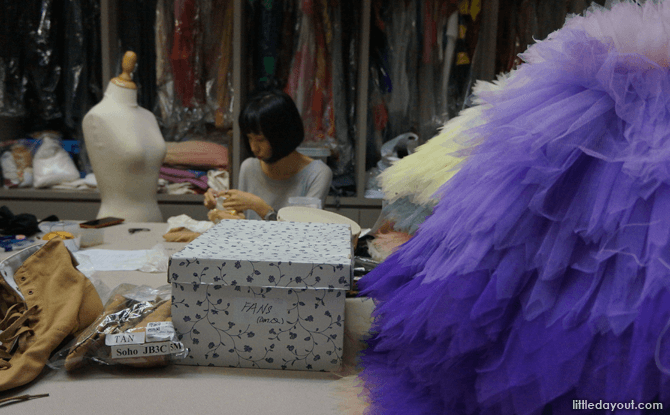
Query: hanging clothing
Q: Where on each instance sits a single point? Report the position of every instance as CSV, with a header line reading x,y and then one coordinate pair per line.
x,y
184,52
138,35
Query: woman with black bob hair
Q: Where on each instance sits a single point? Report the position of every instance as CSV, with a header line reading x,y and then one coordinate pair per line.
x,y
273,130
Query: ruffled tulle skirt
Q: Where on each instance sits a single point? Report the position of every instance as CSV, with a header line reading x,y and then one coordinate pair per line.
x,y
543,274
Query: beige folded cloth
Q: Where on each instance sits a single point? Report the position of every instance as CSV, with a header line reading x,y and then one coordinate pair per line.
x,y
180,234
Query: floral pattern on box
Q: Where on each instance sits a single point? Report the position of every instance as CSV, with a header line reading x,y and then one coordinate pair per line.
x,y
305,333
259,253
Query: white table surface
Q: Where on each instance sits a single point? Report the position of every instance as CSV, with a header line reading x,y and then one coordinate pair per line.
x,y
179,389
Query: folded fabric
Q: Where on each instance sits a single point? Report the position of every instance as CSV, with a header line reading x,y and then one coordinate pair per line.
x,y
87,183
186,222
184,173
180,235
174,175
197,154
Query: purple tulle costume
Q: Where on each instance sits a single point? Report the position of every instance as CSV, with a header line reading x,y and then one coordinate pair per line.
x,y
543,274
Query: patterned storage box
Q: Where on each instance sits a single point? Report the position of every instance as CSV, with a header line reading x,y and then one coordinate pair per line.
x,y
263,294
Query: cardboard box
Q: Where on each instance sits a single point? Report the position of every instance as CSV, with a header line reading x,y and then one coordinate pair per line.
x,y
263,294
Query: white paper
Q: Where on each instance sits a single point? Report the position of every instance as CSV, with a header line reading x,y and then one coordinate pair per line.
x,y
160,331
113,260
120,339
144,350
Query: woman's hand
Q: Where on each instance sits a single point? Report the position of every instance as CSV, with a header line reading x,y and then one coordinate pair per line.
x,y
240,201
210,198
217,216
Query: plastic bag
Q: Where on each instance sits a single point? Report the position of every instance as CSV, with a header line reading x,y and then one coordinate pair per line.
x,y
135,329
52,165
17,168
157,259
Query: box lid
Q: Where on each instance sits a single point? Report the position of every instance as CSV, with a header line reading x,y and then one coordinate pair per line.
x,y
260,253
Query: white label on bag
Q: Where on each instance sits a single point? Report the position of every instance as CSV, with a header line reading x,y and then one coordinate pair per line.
x,y
266,311
144,350
124,338
160,331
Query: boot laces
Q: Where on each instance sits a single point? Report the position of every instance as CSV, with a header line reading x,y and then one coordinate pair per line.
x,y
12,327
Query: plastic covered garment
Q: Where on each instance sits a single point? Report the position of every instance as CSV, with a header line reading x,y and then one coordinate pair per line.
x,y
134,329
440,35
309,48
82,63
11,62
221,79
310,81
272,28
422,54
542,275
138,35
184,56
40,61
50,61
194,49
394,55
410,186
521,22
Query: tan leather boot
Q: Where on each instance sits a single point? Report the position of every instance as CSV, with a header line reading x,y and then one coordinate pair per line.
x,y
58,301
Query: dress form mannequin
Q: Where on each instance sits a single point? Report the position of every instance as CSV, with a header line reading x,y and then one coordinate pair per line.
x,y
126,150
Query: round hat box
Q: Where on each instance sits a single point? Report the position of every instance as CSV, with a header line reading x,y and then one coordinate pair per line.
x,y
308,214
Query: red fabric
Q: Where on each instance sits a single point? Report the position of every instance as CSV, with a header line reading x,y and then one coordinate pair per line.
x,y
183,49
429,30
310,81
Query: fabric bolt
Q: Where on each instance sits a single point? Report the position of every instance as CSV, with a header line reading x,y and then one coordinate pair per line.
x,y
312,181
542,274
